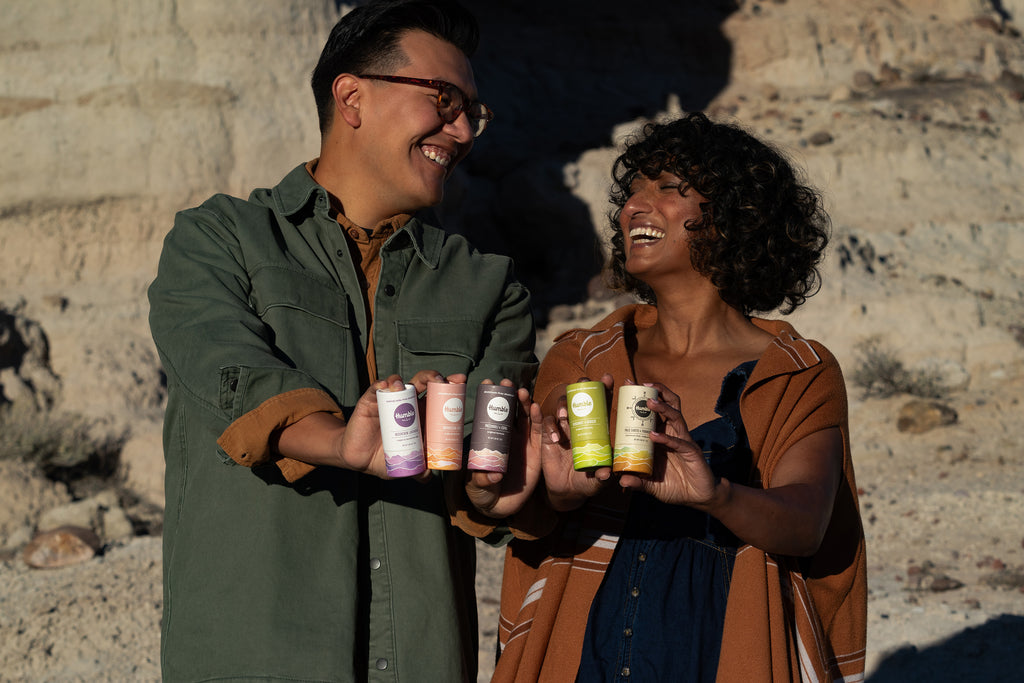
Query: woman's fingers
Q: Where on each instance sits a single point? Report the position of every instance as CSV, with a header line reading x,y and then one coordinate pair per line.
x,y
666,394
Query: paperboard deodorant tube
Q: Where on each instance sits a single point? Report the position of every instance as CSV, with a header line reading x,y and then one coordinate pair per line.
x,y
400,431
633,424
446,409
492,428
588,425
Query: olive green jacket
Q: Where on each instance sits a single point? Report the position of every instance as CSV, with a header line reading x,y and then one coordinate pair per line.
x,y
338,576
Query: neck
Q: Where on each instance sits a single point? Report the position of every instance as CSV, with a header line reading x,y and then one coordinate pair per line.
x,y
694,317
342,184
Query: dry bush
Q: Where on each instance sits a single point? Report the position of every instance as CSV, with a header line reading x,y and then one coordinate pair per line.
x,y
881,374
64,446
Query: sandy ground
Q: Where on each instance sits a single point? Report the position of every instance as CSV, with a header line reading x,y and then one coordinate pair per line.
x,y
942,509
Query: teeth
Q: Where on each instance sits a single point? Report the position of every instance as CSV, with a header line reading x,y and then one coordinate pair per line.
x,y
437,157
650,233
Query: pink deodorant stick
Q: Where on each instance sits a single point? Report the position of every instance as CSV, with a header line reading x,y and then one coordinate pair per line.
x,y
446,410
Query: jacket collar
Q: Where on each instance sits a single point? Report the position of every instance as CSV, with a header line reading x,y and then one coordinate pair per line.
x,y
297,190
788,352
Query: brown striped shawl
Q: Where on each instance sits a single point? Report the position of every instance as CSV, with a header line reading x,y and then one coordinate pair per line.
x,y
787,618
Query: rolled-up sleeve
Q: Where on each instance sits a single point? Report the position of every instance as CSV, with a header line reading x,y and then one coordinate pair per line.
x,y
218,350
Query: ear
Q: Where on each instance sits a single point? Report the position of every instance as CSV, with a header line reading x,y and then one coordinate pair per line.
x,y
347,99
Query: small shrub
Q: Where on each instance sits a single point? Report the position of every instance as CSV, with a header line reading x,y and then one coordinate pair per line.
x,y
881,374
63,446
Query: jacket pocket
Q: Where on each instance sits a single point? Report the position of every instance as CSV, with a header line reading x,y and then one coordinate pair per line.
x,y
448,346
311,327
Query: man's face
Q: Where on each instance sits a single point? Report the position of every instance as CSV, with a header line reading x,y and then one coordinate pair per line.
x,y
408,150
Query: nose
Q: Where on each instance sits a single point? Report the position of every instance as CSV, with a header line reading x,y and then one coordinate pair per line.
x,y
637,203
461,129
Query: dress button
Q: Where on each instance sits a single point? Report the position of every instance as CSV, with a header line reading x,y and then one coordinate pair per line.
x,y
643,557
635,592
628,632
389,290
382,664
375,563
625,671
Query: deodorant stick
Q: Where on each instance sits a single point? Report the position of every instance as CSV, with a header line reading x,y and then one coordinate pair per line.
x,y
588,425
492,428
446,409
634,422
400,431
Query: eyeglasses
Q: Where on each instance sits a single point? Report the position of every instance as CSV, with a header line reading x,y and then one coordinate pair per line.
x,y
451,101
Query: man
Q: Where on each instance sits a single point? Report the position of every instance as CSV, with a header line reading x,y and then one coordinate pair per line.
x,y
276,319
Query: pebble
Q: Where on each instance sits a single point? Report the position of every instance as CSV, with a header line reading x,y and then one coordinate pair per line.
x,y
917,417
926,577
61,547
822,137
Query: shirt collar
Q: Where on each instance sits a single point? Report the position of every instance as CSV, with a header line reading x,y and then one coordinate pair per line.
x,y
297,189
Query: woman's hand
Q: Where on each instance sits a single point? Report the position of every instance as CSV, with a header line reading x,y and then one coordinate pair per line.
x,y
682,476
789,517
568,488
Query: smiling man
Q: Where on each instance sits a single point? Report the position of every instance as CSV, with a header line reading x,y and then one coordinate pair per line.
x,y
288,552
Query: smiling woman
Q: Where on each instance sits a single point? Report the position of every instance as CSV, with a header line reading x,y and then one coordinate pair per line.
x,y
740,557
761,252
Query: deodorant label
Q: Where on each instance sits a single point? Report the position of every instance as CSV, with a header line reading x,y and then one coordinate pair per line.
x,y
634,422
400,431
492,428
588,425
446,408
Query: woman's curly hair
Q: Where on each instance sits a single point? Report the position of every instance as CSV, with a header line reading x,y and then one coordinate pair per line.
x,y
761,233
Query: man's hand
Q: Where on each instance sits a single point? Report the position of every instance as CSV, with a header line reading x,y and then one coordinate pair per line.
x,y
325,439
498,494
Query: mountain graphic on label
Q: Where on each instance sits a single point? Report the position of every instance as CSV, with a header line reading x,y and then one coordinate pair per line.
x,y
591,454
487,460
444,459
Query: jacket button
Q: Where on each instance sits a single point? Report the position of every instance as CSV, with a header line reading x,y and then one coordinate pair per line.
x,y
375,563
340,253
382,664
389,290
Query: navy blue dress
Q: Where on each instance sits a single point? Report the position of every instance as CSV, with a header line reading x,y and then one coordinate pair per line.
x,y
659,613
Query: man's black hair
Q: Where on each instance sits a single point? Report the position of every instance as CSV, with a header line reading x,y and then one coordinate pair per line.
x,y
366,41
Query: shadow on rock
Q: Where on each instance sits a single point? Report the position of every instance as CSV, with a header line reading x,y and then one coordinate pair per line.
x,y
989,652
560,77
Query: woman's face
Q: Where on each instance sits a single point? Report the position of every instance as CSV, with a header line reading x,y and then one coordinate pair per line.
x,y
653,223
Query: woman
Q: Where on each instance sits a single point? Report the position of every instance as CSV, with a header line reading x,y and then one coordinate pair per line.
x,y
742,557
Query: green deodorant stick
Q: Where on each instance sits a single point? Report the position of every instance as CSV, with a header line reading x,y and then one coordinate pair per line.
x,y
588,425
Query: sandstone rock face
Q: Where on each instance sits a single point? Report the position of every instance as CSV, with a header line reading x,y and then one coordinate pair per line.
x,y
908,116
112,118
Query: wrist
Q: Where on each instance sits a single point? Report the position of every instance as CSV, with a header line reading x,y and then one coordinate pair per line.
x,y
337,449
721,496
